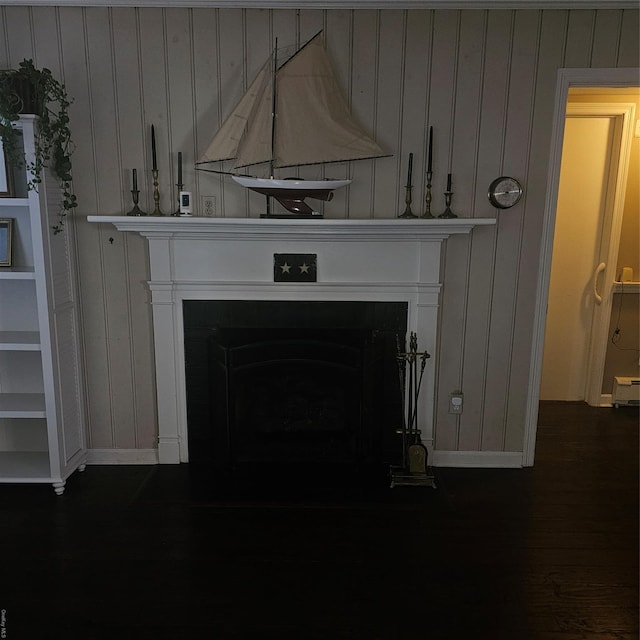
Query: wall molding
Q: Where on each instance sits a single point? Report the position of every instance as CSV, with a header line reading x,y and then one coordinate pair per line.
x,y
342,4
122,456
477,459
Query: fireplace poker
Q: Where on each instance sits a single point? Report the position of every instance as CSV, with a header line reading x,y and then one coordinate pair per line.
x,y
423,361
402,375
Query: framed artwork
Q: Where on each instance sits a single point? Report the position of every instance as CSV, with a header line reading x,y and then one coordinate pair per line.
x,y
6,225
5,175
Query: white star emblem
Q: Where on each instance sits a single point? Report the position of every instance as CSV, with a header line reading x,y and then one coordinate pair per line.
x,y
304,268
285,268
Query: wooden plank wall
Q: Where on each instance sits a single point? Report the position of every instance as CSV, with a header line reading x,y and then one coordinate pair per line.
x,y
485,80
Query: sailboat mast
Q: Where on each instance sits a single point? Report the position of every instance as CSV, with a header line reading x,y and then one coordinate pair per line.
x,y
274,103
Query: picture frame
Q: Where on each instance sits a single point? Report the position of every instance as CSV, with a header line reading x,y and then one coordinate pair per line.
x,y
6,186
6,232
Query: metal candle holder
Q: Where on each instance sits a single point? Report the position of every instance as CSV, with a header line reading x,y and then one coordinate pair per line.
x,y
135,211
176,213
156,194
407,212
427,198
447,213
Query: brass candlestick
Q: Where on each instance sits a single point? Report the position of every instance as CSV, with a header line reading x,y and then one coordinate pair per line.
x,y
135,211
156,194
176,213
427,199
407,212
447,213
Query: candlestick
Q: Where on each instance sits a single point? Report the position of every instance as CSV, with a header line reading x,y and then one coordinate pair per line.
x,y
430,158
135,180
427,198
156,194
179,185
135,210
180,167
447,213
154,158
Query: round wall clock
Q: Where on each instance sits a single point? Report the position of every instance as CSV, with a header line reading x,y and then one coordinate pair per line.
x,y
504,192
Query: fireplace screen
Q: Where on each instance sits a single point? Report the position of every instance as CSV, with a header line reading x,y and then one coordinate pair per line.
x,y
292,385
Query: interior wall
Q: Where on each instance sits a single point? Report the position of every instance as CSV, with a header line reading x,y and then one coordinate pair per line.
x,y
485,80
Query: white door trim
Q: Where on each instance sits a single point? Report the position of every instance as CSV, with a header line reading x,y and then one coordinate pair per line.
x,y
627,77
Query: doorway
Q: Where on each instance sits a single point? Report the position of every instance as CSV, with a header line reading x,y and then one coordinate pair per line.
x,y
567,78
589,213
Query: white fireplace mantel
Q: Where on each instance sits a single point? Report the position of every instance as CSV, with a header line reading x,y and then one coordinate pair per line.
x,y
199,258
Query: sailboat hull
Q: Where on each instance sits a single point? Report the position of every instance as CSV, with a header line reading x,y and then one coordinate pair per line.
x,y
291,193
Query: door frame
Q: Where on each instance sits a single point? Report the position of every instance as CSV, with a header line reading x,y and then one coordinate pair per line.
x,y
614,78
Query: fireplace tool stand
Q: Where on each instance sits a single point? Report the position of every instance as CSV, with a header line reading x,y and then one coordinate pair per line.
x,y
414,471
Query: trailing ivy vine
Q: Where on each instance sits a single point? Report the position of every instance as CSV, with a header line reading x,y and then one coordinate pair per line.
x,y
31,90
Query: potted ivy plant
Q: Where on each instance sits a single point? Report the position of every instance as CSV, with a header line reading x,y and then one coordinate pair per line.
x,y
36,91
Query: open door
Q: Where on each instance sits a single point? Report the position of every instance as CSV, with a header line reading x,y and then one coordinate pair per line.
x,y
585,247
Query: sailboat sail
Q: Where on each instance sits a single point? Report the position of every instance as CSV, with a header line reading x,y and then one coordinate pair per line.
x,y
312,121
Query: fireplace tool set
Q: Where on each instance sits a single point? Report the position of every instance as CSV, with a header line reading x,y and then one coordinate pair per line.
x,y
414,470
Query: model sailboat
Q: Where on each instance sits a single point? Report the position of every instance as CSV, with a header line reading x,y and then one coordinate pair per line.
x,y
292,115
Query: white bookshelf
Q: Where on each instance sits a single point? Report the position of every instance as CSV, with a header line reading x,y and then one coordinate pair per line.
x,y
41,397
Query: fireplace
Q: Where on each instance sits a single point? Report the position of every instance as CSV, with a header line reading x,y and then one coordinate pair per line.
x,y
277,389
232,259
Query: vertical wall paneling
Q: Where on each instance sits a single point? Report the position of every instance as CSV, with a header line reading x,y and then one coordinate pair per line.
x,y
419,56
414,105
517,134
468,87
388,192
206,90
442,106
464,154
91,271
128,94
552,34
19,34
360,87
180,102
4,49
485,80
629,47
102,86
491,110
232,83
579,39
605,49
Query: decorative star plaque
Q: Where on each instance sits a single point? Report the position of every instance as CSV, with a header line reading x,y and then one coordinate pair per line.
x,y
295,267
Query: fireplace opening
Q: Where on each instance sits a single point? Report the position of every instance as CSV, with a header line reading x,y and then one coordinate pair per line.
x,y
293,391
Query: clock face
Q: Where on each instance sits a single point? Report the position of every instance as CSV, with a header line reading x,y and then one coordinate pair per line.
x,y
504,192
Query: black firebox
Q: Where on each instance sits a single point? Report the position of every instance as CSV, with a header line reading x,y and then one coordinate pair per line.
x,y
295,392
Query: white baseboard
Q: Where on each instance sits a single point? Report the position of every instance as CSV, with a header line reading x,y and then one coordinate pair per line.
x,y
477,459
122,456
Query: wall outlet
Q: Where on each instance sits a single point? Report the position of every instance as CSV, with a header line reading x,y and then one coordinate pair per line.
x,y
456,402
208,206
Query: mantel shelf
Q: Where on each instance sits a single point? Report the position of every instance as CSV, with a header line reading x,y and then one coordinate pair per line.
x,y
259,228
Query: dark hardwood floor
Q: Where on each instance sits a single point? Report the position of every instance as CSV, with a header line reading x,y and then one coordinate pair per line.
x,y
549,552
